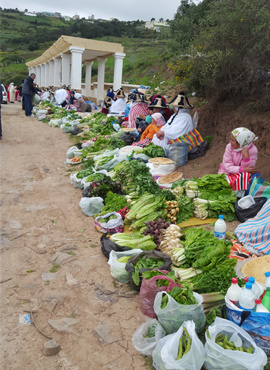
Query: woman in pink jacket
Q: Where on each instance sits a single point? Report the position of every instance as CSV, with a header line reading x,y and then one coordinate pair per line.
x,y
240,154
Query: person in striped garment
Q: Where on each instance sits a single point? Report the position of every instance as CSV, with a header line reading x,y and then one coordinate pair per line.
x,y
239,159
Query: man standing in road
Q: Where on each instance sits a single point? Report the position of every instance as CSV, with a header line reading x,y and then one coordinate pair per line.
x,y
28,90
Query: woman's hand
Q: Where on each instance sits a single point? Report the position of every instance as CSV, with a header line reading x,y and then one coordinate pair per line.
x,y
139,130
160,135
245,152
250,169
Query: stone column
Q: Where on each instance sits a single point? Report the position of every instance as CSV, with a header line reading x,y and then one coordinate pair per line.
x,y
88,75
65,69
57,72
42,82
38,75
118,70
47,74
101,77
51,72
76,67
29,70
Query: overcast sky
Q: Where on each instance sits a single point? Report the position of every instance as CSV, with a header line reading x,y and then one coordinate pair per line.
x,y
124,10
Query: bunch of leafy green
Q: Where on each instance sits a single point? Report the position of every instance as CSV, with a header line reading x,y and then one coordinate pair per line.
x,y
105,220
96,177
103,160
87,163
152,150
213,182
186,208
160,283
212,314
180,182
151,332
145,263
217,279
100,144
180,295
84,173
115,142
113,203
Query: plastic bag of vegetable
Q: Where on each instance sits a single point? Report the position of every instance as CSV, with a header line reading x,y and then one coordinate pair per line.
x,y
149,289
114,223
76,179
182,350
73,152
118,260
228,346
174,314
144,262
86,182
91,206
146,337
107,245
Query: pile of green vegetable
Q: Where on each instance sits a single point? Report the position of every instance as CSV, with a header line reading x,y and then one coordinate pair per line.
x,y
145,262
159,282
84,173
224,342
101,189
105,220
184,344
180,295
113,203
151,331
154,151
134,240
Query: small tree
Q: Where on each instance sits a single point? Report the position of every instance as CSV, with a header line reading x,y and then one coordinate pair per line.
x,y
34,45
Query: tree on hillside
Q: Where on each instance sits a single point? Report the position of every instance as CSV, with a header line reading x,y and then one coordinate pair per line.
x,y
152,19
34,45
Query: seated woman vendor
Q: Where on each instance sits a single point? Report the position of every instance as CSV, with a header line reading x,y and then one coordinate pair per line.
x,y
240,154
156,123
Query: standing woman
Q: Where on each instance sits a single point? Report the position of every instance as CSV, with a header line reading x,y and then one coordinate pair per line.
x,y
12,91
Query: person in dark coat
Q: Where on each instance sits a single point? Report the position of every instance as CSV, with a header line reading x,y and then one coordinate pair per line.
x,y
28,91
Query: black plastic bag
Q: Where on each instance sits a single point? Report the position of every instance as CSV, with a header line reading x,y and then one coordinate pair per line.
x,y
199,150
152,254
245,214
107,245
128,138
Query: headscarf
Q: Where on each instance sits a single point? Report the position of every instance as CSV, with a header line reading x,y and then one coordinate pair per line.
x,y
244,137
148,118
110,94
71,98
159,119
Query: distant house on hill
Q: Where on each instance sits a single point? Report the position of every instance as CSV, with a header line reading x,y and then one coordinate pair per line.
x,y
48,14
57,15
67,18
30,14
76,16
155,25
91,17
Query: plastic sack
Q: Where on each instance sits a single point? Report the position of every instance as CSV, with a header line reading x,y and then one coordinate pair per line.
x,y
91,206
257,324
41,114
118,158
118,270
54,122
107,245
73,152
166,351
146,345
148,292
199,150
174,314
161,169
86,184
243,215
219,358
112,226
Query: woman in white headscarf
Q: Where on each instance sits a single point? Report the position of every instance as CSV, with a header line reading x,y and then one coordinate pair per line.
x,y
240,154
12,91
119,105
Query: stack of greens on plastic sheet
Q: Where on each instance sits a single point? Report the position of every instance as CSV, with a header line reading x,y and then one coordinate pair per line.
x,y
136,178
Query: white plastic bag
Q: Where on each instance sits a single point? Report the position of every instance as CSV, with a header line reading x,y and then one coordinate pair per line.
x,y
118,270
113,162
41,114
174,314
146,345
73,152
166,352
112,226
86,184
77,183
91,206
161,169
219,358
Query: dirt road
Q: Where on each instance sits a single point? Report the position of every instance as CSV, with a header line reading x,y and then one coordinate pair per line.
x,y
42,226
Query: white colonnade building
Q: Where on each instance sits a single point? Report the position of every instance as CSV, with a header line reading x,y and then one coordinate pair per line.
x,y
62,63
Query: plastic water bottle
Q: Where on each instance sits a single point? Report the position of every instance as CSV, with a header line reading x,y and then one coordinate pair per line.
x,y
266,299
255,287
220,228
247,298
267,279
234,292
260,307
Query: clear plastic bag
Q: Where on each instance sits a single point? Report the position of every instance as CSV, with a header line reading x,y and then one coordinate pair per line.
x,y
86,184
148,292
91,206
174,314
219,358
73,152
112,226
146,345
77,183
118,270
166,352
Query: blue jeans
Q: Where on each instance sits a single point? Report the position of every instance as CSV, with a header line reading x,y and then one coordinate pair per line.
x,y
28,104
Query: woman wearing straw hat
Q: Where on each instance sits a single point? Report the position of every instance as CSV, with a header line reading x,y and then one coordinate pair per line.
x,y
119,106
158,104
178,136
138,107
